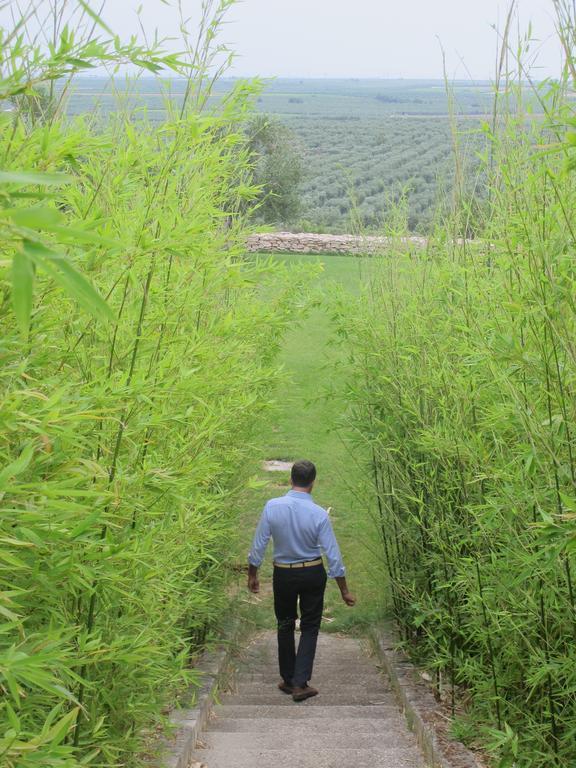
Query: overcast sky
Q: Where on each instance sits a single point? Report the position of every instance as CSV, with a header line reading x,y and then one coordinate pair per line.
x,y
362,38
357,38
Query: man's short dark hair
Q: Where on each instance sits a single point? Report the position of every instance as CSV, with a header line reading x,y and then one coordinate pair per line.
x,y
303,473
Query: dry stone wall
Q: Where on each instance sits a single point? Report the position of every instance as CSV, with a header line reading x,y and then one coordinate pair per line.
x,y
304,242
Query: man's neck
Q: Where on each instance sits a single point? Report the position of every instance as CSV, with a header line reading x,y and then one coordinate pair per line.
x,y
301,490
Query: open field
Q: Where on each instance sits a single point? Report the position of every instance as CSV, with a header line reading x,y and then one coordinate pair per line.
x,y
300,97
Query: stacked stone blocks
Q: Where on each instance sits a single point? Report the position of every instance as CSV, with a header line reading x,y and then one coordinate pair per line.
x,y
303,242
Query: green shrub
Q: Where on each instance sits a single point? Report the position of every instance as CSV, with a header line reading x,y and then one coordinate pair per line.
x,y
124,424
464,393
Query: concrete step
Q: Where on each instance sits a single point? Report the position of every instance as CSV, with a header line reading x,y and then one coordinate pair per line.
x,y
339,667
335,676
340,643
306,756
257,712
341,674
353,723
324,658
328,652
322,661
277,698
288,726
325,653
278,739
324,686
355,677
327,687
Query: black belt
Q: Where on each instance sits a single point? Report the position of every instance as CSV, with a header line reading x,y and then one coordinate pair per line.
x,y
306,564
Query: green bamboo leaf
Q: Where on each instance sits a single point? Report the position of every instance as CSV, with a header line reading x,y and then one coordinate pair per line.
x,y
8,614
59,731
33,177
75,284
36,217
17,466
55,491
85,236
35,195
22,290
12,686
15,542
149,65
85,524
13,717
95,17
12,560
79,63
569,502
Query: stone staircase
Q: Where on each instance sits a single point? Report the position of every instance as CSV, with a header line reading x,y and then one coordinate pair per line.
x,y
354,722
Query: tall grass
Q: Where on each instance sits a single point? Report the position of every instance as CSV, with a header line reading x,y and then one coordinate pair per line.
x,y
465,395
137,351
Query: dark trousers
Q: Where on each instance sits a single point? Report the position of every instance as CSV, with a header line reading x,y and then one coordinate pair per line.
x,y
292,586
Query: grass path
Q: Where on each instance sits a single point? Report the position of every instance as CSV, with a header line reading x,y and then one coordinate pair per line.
x,y
310,403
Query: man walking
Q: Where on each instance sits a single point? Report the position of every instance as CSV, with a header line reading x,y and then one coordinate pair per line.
x,y
301,531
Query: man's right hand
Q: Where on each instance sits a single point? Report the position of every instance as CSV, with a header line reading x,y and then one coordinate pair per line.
x,y
253,581
347,596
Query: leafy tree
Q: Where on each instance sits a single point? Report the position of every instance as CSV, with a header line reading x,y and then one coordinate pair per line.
x,y
277,169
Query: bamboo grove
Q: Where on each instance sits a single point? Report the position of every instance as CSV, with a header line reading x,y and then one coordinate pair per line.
x,y
464,395
137,350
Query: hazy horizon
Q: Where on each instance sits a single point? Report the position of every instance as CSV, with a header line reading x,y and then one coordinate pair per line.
x,y
171,76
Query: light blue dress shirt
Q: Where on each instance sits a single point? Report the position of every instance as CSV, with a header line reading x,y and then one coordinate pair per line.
x,y
300,530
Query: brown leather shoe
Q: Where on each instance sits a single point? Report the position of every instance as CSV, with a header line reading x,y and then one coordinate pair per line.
x,y
301,694
285,688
